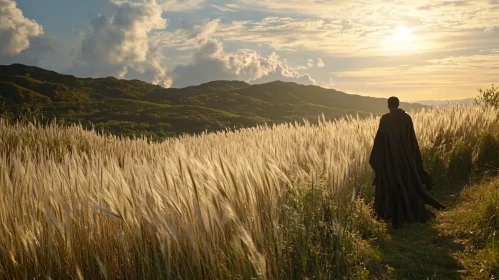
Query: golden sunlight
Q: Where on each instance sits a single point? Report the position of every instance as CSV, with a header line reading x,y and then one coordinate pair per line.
x,y
399,41
403,33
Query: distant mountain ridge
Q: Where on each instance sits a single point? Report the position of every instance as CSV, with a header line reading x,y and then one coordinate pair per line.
x,y
129,107
446,102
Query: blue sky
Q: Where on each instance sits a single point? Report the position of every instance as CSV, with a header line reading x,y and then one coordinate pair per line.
x,y
426,49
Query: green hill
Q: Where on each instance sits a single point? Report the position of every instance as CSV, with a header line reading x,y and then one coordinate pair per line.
x,y
128,107
11,93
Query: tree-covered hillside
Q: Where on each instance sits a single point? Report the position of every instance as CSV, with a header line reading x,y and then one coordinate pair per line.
x,y
133,107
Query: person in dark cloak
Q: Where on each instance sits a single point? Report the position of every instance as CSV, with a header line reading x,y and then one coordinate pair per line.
x,y
396,159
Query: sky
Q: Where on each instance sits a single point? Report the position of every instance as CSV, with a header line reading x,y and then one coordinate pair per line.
x,y
416,50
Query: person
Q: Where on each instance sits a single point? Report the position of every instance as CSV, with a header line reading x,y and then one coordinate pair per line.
x,y
399,193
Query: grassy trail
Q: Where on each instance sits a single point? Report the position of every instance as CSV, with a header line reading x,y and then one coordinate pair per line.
x,y
429,251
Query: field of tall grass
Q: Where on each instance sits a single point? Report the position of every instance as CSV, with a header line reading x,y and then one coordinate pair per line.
x,y
287,201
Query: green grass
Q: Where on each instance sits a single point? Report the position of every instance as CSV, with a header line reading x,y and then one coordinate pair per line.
x,y
461,243
419,251
475,220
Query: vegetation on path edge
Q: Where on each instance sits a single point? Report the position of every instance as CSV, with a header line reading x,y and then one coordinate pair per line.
x,y
461,243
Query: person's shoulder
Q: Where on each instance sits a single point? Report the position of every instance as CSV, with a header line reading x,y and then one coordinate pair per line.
x,y
385,117
396,115
406,115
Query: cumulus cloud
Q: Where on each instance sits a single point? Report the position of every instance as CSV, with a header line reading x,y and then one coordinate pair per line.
x,y
212,62
39,48
123,45
310,63
16,31
327,84
320,63
282,72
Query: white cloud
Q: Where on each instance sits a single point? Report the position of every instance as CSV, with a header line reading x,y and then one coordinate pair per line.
x,y
134,43
16,31
40,47
225,8
181,5
282,72
490,30
320,63
123,45
356,38
357,28
324,35
169,5
212,62
310,63
327,84
444,13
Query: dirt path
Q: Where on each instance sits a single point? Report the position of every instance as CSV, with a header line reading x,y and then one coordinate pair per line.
x,y
425,251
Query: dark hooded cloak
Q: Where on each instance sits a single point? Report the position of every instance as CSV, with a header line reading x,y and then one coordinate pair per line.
x,y
396,159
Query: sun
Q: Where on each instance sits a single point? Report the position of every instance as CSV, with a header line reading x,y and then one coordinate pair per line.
x,y
400,40
402,33
404,39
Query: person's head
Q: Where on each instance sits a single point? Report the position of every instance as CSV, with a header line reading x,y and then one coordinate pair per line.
x,y
393,103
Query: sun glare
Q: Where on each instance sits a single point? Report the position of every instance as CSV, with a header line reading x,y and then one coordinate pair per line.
x,y
403,33
400,40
